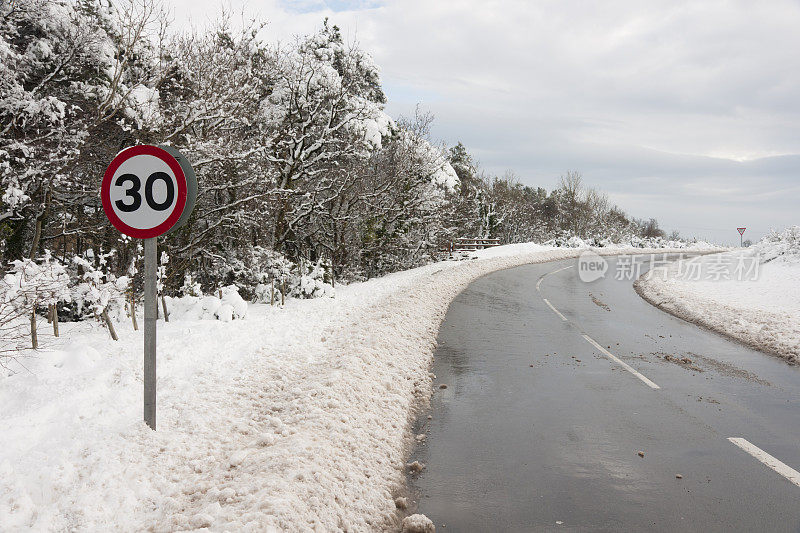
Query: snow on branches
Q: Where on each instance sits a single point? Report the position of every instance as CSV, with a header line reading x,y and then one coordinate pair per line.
x,y
293,150
26,287
99,290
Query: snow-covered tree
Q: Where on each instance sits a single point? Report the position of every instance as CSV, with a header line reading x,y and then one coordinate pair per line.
x,y
302,175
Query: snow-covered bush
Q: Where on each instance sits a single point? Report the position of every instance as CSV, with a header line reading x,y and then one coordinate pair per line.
x,y
780,246
161,272
232,305
190,287
566,240
259,272
210,307
312,283
99,289
27,286
30,283
253,270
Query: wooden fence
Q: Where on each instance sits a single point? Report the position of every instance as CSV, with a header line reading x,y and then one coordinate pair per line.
x,y
461,247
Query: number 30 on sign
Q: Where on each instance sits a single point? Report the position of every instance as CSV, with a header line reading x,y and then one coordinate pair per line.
x,y
146,189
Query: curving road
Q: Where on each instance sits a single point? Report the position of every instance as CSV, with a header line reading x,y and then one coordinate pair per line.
x,y
552,392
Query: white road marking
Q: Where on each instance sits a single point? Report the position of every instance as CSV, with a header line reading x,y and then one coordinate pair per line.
x,y
622,363
786,471
556,311
589,339
539,283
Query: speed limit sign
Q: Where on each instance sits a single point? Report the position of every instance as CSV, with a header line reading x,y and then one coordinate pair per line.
x,y
146,192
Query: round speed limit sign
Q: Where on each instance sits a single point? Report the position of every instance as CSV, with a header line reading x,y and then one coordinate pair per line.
x,y
144,191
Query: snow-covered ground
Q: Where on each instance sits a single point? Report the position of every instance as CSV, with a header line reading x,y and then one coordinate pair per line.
x,y
752,294
294,418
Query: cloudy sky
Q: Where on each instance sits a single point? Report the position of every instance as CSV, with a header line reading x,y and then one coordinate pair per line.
x,y
686,111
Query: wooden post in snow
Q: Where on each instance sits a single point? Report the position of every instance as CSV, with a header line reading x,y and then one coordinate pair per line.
x,y
34,338
55,319
107,320
133,312
164,306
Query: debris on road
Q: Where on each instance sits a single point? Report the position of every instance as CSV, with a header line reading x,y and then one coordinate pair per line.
x,y
599,303
416,467
641,454
418,523
681,361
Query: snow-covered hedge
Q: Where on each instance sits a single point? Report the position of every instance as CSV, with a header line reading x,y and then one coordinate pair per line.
x,y
570,241
780,246
259,271
230,306
28,286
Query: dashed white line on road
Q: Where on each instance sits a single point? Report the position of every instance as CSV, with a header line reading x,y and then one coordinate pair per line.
x,y
592,341
785,470
556,311
539,283
622,363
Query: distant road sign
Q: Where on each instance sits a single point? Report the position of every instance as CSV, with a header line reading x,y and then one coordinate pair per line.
x,y
741,230
144,191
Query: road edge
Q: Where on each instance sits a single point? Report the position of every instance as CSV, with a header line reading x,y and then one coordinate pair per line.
x,y
476,269
681,308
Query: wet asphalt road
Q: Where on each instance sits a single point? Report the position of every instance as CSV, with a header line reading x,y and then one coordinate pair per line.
x,y
554,446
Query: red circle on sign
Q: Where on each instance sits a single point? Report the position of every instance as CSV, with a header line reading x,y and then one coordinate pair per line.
x,y
180,203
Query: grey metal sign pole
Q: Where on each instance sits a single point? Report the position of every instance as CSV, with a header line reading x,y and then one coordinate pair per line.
x,y
121,195
150,303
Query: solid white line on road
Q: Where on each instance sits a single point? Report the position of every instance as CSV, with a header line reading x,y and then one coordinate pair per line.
x,y
539,283
556,311
624,365
786,471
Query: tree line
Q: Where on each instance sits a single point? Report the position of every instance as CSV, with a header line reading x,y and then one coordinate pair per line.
x,y
301,171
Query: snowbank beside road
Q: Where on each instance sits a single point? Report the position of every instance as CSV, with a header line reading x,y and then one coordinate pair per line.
x,y
751,295
293,419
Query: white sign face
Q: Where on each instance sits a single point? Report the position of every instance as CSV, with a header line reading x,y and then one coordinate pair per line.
x,y
144,191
